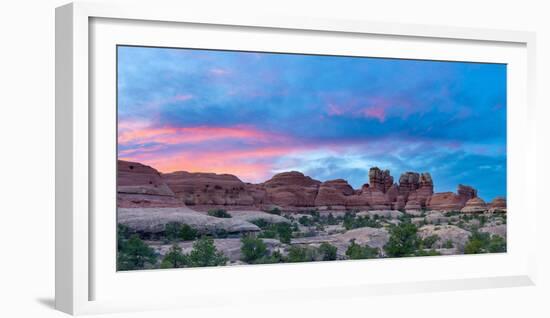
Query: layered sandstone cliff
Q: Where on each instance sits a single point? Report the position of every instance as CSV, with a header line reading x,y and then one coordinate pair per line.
x,y
143,186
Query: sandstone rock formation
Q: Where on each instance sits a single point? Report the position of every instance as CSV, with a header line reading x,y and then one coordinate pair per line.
x,y
445,201
380,180
498,205
209,188
142,186
292,189
474,205
466,193
448,201
333,192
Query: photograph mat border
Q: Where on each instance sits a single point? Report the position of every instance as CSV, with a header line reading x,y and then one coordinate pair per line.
x,y
72,163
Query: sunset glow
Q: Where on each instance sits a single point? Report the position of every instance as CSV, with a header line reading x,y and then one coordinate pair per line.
x,y
256,114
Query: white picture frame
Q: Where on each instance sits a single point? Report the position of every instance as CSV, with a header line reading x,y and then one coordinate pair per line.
x,y
85,282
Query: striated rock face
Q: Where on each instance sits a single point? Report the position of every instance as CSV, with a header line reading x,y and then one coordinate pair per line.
x,y
333,192
139,185
445,201
474,205
292,189
498,204
466,193
142,186
416,189
209,188
380,180
408,182
374,198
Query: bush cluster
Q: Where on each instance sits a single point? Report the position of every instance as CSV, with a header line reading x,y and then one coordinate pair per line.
x,y
480,242
219,213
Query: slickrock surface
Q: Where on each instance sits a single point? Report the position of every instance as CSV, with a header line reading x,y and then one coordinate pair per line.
x,y
372,237
458,236
495,229
251,216
154,220
390,214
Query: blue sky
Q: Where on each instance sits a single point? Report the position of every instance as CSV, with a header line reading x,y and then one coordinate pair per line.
x,y
256,114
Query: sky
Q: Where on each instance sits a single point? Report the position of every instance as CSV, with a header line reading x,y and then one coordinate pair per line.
x,y
256,114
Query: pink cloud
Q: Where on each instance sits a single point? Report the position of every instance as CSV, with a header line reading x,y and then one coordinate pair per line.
x,y
377,112
138,132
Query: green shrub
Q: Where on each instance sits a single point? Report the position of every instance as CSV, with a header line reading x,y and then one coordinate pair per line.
x,y
356,251
480,242
331,220
176,231
449,244
403,240
351,221
477,243
305,220
261,223
135,254
284,232
497,244
122,234
275,257
174,258
328,251
301,254
275,211
204,253
252,249
429,241
219,213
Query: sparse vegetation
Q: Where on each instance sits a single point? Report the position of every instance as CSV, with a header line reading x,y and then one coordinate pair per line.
x,y
356,251
174,258
429,241
328,252
481,242
219,213
204,253
175,231
252,249
403,241
301,254
134,254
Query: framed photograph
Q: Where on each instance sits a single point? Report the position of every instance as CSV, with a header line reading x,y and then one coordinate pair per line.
x,y
201,155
